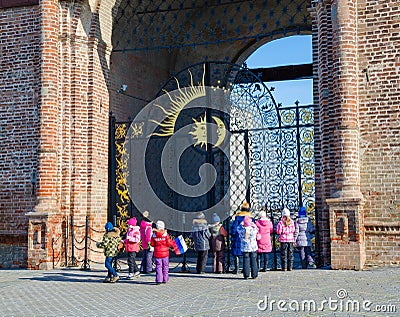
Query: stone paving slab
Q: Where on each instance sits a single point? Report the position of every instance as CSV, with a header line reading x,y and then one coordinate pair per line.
x,y
320,292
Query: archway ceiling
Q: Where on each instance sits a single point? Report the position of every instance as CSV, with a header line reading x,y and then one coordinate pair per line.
x,y
159,24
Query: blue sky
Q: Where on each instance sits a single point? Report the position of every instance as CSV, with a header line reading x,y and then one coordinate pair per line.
x,y
287,51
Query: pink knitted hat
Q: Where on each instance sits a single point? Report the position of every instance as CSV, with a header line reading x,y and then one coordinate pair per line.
x,y
247,221
132,221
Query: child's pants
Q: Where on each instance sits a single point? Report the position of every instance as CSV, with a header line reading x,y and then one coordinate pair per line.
x,y
219,260
108,264
236,261
133,268
202,257
147,262
305,256
262,258
162,268
287,255
250,263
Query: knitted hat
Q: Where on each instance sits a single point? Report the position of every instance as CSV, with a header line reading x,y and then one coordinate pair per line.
x,y
263,214
245,206
215,218
160,225
302,212
285,212
146,214
200,215
247,221
109,227
132,221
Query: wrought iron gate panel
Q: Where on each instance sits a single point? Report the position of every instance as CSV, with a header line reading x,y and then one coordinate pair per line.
x,y
120,204
238,179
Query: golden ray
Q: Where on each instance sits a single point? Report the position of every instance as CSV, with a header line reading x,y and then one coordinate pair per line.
x,y
177,104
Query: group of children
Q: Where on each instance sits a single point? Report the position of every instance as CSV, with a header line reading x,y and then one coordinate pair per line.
x,y
112,243
251,239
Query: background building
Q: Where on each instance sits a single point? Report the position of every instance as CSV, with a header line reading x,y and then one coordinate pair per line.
x,y
63,62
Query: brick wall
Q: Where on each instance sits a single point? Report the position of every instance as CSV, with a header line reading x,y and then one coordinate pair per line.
x,y
19,74
379,78
56,135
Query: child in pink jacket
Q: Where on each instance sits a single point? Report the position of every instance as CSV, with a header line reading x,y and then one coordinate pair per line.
x,y
132,247
265,228
146,231
286,229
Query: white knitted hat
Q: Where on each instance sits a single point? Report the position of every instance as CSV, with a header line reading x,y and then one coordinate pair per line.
x,y
285,212
160,225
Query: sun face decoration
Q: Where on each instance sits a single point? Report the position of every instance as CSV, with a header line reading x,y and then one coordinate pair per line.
x,y
178,102
199,131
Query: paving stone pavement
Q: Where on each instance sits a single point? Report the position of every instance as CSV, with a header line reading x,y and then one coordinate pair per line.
x,y
318,292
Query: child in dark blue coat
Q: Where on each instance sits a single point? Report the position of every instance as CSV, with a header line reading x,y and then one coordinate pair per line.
x,y
236,241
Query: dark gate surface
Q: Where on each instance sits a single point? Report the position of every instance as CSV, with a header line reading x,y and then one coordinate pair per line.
x,y
268,159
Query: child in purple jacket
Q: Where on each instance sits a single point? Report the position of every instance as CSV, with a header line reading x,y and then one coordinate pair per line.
x,y
302,238
286,230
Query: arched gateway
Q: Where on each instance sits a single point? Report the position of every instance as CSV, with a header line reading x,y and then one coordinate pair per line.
x,y
221,115
70,59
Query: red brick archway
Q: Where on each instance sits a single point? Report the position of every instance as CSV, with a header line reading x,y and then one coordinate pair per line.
x,y
64,79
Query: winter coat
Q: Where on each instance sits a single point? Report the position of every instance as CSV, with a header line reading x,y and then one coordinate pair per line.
x,y
218,235
132,239
145,233
265,228
161,242
200,235
236,241
286,233
303,231
110,242
248,237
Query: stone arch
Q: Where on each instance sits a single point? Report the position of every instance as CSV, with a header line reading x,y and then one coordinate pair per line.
x,y
251,47
166,37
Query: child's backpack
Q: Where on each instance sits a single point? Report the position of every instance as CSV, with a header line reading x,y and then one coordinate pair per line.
x,y
133,236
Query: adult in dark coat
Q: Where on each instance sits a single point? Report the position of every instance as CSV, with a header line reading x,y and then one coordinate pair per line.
x,y
201,235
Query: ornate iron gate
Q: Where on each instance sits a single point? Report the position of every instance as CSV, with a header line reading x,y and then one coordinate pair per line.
x,y
271,156
277,140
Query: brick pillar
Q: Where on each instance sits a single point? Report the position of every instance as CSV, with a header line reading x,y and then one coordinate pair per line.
x,y
323,100
39,221
346,203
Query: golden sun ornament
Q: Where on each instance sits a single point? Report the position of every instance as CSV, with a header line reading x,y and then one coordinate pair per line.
x,y
178,103
199,131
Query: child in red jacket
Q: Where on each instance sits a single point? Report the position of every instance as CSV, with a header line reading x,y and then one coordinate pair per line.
x,y
161,242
